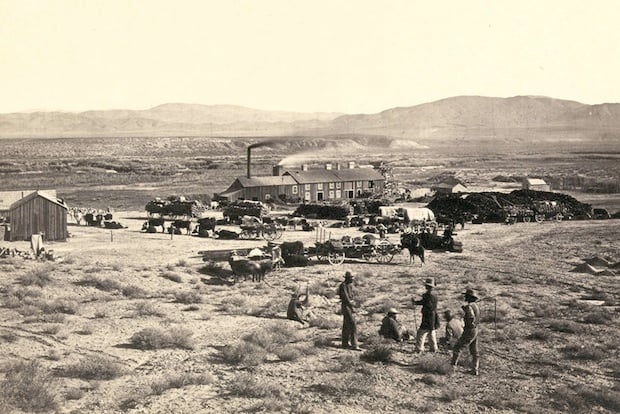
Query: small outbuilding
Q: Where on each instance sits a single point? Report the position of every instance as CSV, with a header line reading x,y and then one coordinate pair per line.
x,y
450,186
537,184
38,213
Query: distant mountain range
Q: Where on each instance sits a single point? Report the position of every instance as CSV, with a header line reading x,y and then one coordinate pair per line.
x,y
519,118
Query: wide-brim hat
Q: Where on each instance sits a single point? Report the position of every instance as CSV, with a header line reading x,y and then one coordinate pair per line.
x,y
348,275
469,293
393,311
429,282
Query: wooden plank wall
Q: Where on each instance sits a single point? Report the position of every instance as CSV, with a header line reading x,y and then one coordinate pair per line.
x,y
38,215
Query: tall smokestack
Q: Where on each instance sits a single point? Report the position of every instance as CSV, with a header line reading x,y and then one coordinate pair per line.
x,y
249,161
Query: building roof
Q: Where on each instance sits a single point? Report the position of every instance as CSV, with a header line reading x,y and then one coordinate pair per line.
x,y
357,174
313,176
448,185
535,181
9,197
41,194
264,181
325,176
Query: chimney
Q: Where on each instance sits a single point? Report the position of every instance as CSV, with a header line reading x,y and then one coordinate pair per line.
x,y
328,165
249,161
304,167
278,170
351,164
338,166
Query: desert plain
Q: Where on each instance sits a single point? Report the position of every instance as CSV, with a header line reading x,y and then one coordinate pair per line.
x,y
139,323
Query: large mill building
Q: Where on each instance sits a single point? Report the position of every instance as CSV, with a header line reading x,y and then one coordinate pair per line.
x,y
330,182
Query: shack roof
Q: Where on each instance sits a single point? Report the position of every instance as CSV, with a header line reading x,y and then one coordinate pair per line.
x,y
35,194
535,181
7,198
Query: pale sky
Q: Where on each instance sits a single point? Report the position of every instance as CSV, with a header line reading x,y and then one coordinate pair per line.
x,y
334,56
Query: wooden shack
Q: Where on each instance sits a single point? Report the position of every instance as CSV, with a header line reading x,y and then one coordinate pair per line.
x,y
38,213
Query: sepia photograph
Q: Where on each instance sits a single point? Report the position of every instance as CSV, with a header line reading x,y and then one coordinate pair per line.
x,y
309,206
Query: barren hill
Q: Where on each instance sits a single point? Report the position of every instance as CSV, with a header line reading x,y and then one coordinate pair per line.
x,y
471,118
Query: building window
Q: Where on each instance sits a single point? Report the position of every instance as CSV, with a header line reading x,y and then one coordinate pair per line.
x,y
294,189
358,184
338,194
371,184
307,196
331,186
338,185
319,196
307,186
319,186
331,193
350,193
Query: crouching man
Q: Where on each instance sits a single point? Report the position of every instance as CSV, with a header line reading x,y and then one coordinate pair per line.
x,y
392,329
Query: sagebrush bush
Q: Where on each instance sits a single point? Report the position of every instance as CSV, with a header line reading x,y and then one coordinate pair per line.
x,y
179,381
539,335
147,309
583,398
323,322
28,386
244,353
67,306
39,276
288,353
107,285
583,352
155,338
187,297
93,367
246,385
378,353
172,276
566,326
434,364
599,317
131,291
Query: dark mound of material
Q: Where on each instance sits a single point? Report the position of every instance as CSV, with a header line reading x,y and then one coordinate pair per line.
x,y
331,211
488,206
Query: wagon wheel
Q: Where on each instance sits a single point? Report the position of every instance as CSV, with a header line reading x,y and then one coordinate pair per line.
x,y
277,233
335,258
384,251
269,235
559,217
539,218
384,256
527,219
244,234
367,256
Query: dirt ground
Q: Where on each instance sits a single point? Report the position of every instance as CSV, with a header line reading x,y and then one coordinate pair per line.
x,y
549,337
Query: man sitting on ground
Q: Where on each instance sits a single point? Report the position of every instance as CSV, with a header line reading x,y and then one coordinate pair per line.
x,y
392,329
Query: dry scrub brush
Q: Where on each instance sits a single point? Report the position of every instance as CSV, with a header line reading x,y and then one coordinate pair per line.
x,y
28,387
155,338
93,367
180,380
39,276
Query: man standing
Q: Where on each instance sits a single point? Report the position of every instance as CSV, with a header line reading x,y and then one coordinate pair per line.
x,y
470,332
430,321
391,328
349,328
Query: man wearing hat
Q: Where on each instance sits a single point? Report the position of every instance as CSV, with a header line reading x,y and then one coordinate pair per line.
x,y
391,328
349,327
295,311
470,332
430,321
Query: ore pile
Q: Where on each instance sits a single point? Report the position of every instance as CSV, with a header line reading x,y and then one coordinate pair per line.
x,y
488,206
